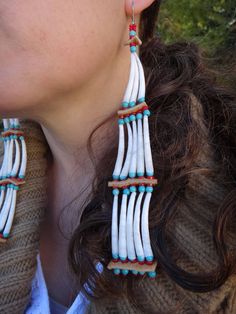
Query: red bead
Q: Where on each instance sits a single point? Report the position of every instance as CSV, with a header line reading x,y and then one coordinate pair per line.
x,y
132,27
132,44
125,261
115,260
134,261
150,177
141,262
149,262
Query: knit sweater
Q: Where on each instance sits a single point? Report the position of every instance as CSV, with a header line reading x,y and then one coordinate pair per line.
x,y
191,233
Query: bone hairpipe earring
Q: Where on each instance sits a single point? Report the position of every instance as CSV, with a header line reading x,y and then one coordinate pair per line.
x,y
12,173
133,177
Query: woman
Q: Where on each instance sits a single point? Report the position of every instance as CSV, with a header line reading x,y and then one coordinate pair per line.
x,y
64,69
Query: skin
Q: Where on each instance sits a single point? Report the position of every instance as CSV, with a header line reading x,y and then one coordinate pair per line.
x,y
59,62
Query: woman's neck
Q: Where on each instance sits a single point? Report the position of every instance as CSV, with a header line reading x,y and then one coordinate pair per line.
x,y
67,125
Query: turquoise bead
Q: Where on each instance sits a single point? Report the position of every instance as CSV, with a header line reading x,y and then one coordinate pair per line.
x,y
141,188
16,187
134,272
21,177
115,177
125,104
115,256
123,258
149,189
121,121
132,117
3,187
122,177
115,192
133,49
140,258
132,174
149,258
147,112
132,188
132,104
6,235
139,116
132,33
141,272
140,174
21,138
125,272
140,100
116,271
152,274
126,191
126,119
150,174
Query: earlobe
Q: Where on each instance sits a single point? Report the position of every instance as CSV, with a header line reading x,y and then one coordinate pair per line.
x,y
139,6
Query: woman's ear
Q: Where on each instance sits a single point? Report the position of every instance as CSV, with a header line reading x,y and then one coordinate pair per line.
x,y
139,6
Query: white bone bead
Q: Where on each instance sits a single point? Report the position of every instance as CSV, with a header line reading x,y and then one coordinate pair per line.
x,y
140,161
145,226
122,228
129,227
8,225
5,123
5,208
10,157
23,159
12,121
125,169
137,235
133,163
16,164
121,151
2,197
114,228
147,147
5,158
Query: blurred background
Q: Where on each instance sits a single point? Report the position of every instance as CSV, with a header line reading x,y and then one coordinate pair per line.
x,y
210,24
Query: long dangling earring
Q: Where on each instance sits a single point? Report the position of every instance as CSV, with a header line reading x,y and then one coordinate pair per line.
x,y
12,173
134,176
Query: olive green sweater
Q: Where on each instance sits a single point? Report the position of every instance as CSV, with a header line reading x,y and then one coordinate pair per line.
x,y
191,233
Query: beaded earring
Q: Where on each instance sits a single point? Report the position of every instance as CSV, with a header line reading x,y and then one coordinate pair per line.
x,y
133,176
12,173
